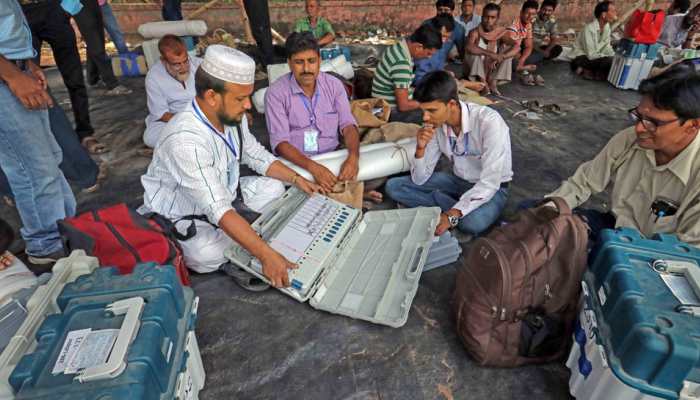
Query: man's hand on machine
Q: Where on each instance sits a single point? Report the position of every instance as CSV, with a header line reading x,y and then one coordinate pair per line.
x,y
307,186
274,267
350,168
323,177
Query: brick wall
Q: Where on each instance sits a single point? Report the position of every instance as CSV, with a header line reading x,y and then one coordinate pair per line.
x,y
353,16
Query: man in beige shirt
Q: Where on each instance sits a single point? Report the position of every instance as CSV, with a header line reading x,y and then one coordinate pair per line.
x,y
656,161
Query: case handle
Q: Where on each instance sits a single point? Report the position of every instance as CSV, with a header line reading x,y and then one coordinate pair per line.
x,y
116,363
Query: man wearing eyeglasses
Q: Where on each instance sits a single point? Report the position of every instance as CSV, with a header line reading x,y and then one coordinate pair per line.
x,y
654,166
169,86
476,140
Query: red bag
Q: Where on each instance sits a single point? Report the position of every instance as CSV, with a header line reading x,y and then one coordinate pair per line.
x,y
645,26
121,237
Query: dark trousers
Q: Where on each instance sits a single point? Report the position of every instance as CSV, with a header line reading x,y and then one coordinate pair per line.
x,y
598,68
537,55
172,10
49,23
91,26
259,18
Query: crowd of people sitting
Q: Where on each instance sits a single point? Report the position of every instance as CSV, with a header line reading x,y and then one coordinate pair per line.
x,y
198,127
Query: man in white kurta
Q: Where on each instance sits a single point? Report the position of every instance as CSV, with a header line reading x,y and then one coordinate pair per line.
x,y
195,167
169,86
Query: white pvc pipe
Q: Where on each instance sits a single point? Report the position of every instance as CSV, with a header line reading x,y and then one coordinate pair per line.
x,y
156,30
259,100
376,160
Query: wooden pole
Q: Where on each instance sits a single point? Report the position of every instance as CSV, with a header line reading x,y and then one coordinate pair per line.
x,y
246,23
202,9
629,13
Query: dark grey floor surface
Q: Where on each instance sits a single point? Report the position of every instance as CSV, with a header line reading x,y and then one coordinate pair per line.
x,y
268,346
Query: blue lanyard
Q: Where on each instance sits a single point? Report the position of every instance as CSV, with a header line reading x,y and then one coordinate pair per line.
x,y
310,107
453,145
229,142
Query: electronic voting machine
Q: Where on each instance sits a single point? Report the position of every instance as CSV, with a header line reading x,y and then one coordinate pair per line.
x,y
364,267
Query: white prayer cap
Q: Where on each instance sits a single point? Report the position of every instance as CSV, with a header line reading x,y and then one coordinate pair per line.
x,y
229,65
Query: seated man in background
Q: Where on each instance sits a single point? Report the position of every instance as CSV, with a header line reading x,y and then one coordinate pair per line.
x,y
469,20
446,8
445,25
169,86
307,111
654,166
195,170
488,58
593,53
676,27
476,140
520,36
394,75
545,34
319,26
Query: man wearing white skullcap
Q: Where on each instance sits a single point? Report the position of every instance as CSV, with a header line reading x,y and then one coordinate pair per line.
x,y
195,170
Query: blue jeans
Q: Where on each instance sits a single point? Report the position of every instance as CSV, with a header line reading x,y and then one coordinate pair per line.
x,y
444,190
77,166
112,27
29,156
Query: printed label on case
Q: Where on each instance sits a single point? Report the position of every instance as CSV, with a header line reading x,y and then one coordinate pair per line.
x,y
601,296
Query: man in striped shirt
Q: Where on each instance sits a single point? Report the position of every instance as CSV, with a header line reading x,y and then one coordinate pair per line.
x,y
392,81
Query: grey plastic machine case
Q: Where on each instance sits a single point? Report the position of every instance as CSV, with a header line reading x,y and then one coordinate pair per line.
x,y
364,267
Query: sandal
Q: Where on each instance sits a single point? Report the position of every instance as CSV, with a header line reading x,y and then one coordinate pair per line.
x,y
552,108
244,279
93,146
532,105
539,80
527,80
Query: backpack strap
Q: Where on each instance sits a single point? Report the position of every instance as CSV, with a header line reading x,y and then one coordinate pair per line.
x,y
169,226
560,203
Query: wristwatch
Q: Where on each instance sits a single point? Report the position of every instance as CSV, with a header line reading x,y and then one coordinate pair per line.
x,y
452,220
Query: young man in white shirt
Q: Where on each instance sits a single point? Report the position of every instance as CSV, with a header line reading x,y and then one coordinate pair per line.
x,y
477,141
169,86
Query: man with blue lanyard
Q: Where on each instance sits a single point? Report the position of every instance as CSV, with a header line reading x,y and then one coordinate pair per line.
x,y
29,154
307,111
195,170
477,141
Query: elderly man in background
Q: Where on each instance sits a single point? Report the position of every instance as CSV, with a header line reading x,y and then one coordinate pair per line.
x,y
169,86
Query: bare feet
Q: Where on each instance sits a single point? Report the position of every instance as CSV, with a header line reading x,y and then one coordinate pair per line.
x,y
6,260
493,87
476,86
373,196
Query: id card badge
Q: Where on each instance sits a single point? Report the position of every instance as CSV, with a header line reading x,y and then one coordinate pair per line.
x,y
233,175
311,141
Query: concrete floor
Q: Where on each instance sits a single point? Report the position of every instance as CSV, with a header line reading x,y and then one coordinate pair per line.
x,y
268,346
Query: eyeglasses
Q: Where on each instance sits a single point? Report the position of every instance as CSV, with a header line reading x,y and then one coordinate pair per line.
x,y
650,124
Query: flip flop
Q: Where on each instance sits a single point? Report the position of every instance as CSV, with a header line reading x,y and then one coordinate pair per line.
x,y
527,80
532,105
552,108
539,80
244,279
93,146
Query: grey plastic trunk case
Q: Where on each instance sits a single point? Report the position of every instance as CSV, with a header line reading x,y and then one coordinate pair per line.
x,y
374,273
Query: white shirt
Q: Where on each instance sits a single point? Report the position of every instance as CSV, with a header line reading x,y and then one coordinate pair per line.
x,y
165,93
194,171
485,161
